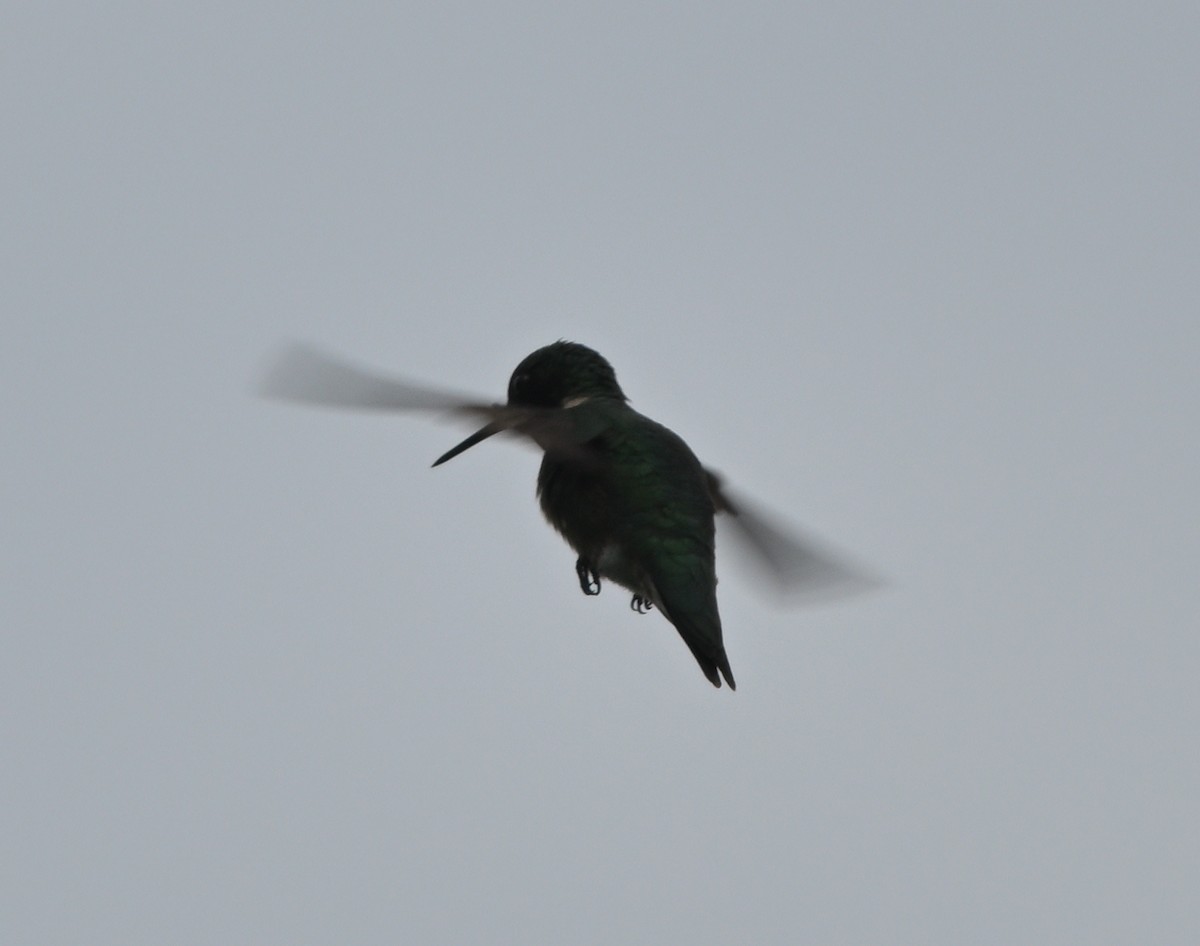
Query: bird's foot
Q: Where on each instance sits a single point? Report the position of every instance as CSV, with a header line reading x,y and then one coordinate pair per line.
x,y
589,581
641,605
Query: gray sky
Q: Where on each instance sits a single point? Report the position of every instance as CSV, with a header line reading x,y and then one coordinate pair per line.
x,y
923,278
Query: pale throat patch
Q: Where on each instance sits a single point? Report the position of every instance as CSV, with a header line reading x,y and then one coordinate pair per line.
x,y
573,401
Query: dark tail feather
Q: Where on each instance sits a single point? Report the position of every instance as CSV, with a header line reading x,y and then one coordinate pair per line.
x,y
710,666
725,669
700,629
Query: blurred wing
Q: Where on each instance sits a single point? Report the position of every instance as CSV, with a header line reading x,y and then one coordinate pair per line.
x,y
795,564
304,375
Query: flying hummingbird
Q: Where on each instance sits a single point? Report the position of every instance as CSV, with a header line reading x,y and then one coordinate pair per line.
x,y
626,493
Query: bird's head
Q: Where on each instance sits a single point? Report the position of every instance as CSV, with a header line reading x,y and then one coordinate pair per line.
x,y
562,374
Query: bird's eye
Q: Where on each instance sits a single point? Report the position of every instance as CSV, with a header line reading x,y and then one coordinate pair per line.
x,y
518,385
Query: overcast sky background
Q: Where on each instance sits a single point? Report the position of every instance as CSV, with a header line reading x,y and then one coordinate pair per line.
x,y
921,277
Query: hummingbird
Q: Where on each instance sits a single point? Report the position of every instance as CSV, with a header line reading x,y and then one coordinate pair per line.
x,y
626,493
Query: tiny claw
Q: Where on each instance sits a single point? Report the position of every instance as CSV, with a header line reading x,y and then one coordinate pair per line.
x,y
641,605
589,581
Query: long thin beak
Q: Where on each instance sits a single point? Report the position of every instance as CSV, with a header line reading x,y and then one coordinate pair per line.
x,y
481,434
